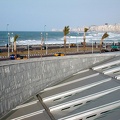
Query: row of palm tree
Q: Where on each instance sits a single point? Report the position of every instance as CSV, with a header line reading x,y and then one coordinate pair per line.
x,y
66,31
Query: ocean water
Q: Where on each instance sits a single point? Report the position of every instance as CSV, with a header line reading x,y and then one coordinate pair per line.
x,y
34,38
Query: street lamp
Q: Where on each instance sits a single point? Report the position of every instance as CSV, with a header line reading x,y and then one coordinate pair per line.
x,y
77,41
44,31
12,40
69,39
46,42
41,43
8,39
92,46
92,40
8,44
28,51
94,35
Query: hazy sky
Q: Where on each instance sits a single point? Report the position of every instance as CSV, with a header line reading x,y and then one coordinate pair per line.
x,y
33,15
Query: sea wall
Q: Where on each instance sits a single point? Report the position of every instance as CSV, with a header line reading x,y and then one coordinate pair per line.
x,y
22,79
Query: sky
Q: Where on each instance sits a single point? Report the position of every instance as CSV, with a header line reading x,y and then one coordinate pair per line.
x,y
39,15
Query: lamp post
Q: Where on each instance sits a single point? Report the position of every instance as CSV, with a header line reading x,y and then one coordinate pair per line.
x,y
46,43
8,39
8,44
41,45
28,51
93,34
44,31
77,41
69,39
12,40
92,46
92,41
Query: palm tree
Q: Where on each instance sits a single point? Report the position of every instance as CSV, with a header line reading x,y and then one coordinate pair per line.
x,y
105,35
65,31
84,38
15,50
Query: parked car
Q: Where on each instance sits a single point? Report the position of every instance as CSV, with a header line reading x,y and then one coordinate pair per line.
x,y
59,54
0,50
115,48
12,56
104,50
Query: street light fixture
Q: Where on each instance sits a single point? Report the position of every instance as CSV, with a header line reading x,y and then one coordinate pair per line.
x,y
69,39
8,39
46,42
28,52
8,44
41,44
92,46
44,31
77,41
12,40
94,34
92,43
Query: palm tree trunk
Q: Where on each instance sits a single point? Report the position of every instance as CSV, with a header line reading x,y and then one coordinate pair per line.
x,y
41,49
42,40
65,44
15,51
84,42
101,45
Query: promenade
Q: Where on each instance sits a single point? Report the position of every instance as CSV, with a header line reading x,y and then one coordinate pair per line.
x,y
35,50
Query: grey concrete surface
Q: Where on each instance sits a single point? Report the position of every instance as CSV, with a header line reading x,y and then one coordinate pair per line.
x,y
22,79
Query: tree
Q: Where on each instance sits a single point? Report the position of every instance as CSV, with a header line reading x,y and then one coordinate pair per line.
x,y
15,50
105,35
84,38
65,31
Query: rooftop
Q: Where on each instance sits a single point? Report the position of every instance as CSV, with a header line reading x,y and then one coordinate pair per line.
x,y
90,94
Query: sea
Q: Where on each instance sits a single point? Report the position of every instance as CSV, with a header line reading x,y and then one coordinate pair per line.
x,y
53,37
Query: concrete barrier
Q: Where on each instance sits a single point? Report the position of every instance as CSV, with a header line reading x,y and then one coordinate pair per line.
x,y
22,79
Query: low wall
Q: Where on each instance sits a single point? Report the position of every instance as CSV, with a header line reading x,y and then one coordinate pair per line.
x,y
21,79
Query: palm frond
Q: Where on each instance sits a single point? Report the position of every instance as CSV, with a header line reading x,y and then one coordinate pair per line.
x,y
86,29
66,30
15,38
105,35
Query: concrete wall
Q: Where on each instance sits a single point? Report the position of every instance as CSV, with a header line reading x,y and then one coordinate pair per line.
x,y
21,79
